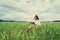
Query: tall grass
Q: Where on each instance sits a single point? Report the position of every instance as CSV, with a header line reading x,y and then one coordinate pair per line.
x,y
18,31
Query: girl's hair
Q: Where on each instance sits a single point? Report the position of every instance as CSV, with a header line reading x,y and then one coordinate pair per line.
x,y
36,17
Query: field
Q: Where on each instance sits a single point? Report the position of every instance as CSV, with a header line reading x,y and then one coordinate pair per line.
x,y
19,31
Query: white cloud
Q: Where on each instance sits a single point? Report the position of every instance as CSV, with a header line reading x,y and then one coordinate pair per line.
x,y
45,9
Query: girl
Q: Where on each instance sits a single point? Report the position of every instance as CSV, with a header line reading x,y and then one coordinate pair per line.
x,y
35,23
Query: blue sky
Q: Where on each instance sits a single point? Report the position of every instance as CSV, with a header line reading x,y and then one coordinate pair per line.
x,y
24,10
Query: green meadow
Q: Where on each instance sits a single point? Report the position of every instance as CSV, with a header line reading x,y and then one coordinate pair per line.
x,y
19,31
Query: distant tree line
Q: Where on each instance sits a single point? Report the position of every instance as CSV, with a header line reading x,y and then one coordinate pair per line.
x,y
6,20
10,21
56,21
21,21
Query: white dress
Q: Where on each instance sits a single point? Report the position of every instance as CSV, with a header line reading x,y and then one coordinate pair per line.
x,y
37,22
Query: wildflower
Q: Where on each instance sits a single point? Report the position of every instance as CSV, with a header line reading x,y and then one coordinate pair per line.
x,y
23,35
19,33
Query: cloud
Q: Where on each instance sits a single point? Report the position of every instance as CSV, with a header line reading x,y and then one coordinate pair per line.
x,y
12,8
26,9
17,0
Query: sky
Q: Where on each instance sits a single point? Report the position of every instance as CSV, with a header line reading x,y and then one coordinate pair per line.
x,y
25,10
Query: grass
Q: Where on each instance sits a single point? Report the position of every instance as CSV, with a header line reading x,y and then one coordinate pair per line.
x,y
18,31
